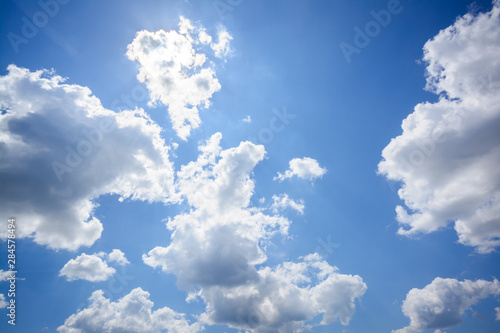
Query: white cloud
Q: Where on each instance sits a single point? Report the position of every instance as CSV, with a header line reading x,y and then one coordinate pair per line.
x,y
173,69
247,119
5,275
218,240
221,48
215,247
3,303
61,150
87,267
448,155
118,257
283,201
285,297
497,312
443,303
203,37
305,168
133,313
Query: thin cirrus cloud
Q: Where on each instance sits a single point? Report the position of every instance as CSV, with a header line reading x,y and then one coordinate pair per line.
x,y
173,65
132,313
305,168
448,155
65,150
92,267
443,303
283,201
222,48
215,248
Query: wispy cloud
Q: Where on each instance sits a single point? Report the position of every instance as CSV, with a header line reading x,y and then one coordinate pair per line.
x,y
283,201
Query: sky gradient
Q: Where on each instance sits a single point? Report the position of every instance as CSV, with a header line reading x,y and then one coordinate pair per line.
x,y
259,166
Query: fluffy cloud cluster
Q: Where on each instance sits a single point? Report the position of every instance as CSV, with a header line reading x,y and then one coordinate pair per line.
x,y
133,313
92,267
216,246
305,168
448,155
443,303
173,67
61,149
282,299
218,240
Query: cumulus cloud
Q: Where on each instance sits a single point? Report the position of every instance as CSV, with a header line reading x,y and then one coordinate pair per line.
x,y
218,240
133,313
118,257
61,150
448,155
443,303
305,168
283,201
216,246
247,119
87,267
285,297
3,303
173,67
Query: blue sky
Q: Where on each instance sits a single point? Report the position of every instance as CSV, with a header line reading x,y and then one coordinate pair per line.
x,y
285,221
